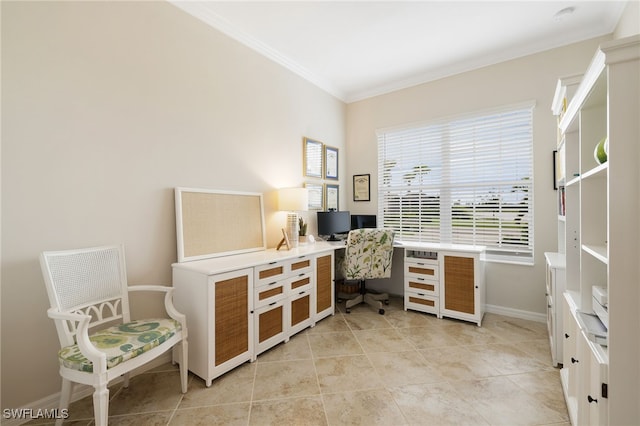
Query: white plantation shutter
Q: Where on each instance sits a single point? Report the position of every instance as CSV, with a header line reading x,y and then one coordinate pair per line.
x,y
465,180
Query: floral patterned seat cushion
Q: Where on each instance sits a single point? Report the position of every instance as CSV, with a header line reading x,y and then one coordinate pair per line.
x,y
369,254
121,342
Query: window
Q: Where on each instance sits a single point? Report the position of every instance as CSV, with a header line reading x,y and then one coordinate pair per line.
x,y
465,180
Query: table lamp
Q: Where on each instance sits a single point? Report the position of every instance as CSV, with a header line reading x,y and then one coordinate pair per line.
x,y
293,200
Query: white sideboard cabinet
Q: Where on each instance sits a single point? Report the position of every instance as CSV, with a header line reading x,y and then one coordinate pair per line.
x,y
445,279
239,306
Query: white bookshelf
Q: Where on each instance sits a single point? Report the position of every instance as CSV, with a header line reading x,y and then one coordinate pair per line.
x,y
601,234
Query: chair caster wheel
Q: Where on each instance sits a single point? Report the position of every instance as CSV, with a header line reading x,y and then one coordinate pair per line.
x,y
381,311
348,311
386,302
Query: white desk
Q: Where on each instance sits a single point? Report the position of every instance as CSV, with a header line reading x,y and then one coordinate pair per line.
x,y
446,280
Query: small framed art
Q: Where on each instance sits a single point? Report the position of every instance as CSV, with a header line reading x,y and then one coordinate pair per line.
x,y
332,196
361,187
316,195
331,162
312,158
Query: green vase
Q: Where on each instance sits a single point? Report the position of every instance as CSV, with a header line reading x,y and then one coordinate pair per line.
x,y
600,153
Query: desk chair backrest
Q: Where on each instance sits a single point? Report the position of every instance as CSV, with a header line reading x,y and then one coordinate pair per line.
x,y
369,254
87,281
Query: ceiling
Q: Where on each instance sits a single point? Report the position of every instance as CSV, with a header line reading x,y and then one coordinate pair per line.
x,y
359,49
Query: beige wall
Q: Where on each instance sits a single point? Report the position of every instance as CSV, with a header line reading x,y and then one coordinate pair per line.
x,y
106,108
532,78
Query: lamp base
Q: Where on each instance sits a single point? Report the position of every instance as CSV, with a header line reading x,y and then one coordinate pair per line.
x,y
292,229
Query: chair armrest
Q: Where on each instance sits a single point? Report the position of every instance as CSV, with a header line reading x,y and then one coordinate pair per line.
x,y
88,349
68,316
168,302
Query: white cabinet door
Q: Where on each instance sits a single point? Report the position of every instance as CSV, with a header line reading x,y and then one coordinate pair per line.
x,y
593,399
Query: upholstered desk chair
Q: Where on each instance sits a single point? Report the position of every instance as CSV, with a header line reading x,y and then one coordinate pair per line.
x,y
89,300
368,255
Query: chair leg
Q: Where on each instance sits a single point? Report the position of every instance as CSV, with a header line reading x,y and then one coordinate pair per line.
x,y
101,404
376,300
126,377
353,302
184,371
65,398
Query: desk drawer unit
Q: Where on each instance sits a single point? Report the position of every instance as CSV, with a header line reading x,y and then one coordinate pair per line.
x,y
421,282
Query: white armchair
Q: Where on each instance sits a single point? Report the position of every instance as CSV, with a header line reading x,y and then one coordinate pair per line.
x,y
89,299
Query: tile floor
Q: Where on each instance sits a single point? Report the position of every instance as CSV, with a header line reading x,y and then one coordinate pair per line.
x,y
403,368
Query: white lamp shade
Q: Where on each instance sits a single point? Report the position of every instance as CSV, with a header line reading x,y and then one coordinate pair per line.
x,y
293,199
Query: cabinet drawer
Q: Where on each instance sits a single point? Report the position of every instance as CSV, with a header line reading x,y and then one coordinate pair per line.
x,y
300,312
426,269
421,302
270,273
421,285
300,265
270,325
269,293
299,283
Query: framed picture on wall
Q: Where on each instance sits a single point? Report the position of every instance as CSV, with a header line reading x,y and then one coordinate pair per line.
x,y
316,195
312,151
332,195
361,187
331,162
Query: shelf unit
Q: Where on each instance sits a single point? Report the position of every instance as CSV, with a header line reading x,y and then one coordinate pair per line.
x,y
600,236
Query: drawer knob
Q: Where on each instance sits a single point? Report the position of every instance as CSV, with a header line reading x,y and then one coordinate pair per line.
x,y
566,336
573,360
590,399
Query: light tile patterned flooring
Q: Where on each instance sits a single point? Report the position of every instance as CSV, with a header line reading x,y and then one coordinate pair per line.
x,y
403,368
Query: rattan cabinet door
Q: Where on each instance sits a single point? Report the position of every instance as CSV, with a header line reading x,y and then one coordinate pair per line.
x,y
324,287
461,287
231,307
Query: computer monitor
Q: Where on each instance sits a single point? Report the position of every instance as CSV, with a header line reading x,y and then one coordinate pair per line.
x,y
359,221
334,222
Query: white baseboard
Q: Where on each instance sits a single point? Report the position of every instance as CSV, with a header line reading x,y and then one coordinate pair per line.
x,y
51,402
515,313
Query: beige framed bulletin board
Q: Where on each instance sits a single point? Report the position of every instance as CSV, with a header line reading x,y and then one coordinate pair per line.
x,y
212,223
